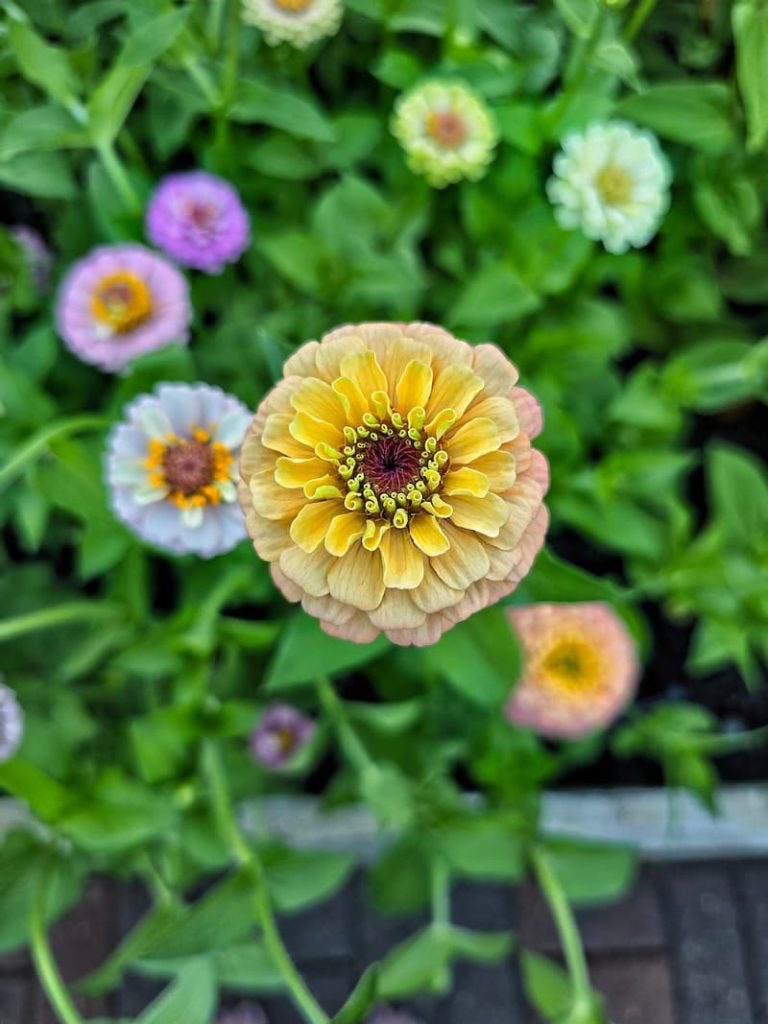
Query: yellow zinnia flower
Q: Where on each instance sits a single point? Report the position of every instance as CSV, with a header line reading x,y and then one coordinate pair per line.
x,y
389,479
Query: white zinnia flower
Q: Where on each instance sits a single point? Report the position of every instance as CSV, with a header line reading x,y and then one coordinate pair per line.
x,y
446,131
11,723
298,22
612,181
172,465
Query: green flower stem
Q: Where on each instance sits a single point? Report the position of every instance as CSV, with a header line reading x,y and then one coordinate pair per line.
x,y
45,965
248,859
580,71
441,893
348,738
119,177
61,614
213,28
39,442
728,743
639,17
229,84
567,930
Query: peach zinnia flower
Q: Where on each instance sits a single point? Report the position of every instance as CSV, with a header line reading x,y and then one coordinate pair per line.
x,y
389,479
580,668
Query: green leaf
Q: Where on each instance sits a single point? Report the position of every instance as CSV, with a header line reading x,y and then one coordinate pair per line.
x,y
483,846
152,38
298,879
400,879
41,128
579,15
142,940
479,658
305,651
495,295
46,797
260,103
190,999
421,963
42,64
547,986
592,872
738,486
112,99
362,999
696,114
553,580
486,947
750,31
40,174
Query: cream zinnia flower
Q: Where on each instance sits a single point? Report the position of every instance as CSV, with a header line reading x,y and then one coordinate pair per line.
x,y
298,22
612,181
390,480
446,131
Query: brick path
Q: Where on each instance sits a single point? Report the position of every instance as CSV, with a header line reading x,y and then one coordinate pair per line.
x,y
688,946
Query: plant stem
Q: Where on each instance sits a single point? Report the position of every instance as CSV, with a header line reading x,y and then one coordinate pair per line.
x,y
441,893
567,930
229,84
213,28
348,738
580,71
45,965
46,618
119,177
40,441
247,858
639,16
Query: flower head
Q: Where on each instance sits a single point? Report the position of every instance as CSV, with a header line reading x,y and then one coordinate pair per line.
x,y
390,480
11,723
446,132
298,22
281,732
119,302
245,1013
580,668
171,465
198,220
37,255
612,181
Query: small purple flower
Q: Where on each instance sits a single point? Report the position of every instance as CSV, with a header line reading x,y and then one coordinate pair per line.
x,y
245,1013
11,723
172,466
386,1015
37,256
198,220
119,302
280,734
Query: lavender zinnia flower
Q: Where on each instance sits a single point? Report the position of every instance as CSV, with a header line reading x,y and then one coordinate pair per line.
x,y
119,302
280,734
171,467
245,1013
198,220
37,256
11,723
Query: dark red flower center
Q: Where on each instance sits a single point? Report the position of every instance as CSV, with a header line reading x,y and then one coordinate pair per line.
x,y
390,464
188,466
202,215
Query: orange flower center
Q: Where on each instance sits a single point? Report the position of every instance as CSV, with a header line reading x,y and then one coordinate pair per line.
x,y
614,185
447,129
293,6
122,301
571,663
190,468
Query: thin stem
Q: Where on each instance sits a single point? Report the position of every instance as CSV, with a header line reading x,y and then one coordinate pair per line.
x,y
40,441
639,17
45,965
580,71
247,858
213,27
46,618
201,79
348,738
119,177
728,743
229,84
567,930
441,893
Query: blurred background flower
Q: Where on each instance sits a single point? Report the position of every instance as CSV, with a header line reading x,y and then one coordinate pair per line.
x,y
281,733
11,722
119,302
198,220
297,22
580,668
171,467
38,256
245,1013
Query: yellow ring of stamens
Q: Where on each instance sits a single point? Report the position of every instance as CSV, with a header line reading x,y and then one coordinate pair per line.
x,y
122,301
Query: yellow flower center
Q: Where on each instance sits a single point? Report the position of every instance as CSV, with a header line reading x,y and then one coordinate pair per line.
x,y
293,6
572,664
447,129
391,468
191,468
122,301
614,185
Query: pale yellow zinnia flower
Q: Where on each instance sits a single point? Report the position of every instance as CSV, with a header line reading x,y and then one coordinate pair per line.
x,y
580,668
390,481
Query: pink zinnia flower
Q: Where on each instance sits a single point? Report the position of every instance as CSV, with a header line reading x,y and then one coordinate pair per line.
x,y
119,302
580,668
37,255
11,723
282,731
198,220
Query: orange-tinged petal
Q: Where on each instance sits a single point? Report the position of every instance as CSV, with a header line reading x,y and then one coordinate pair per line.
x,y
277,436
433,595
403,562
466,481
454,388
473,439
499,468
427,534
503,414
318,399
298,472
312,432
354,401
343,532
397,611
310,526
483,515
363,368
465,562
413,387
358,578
